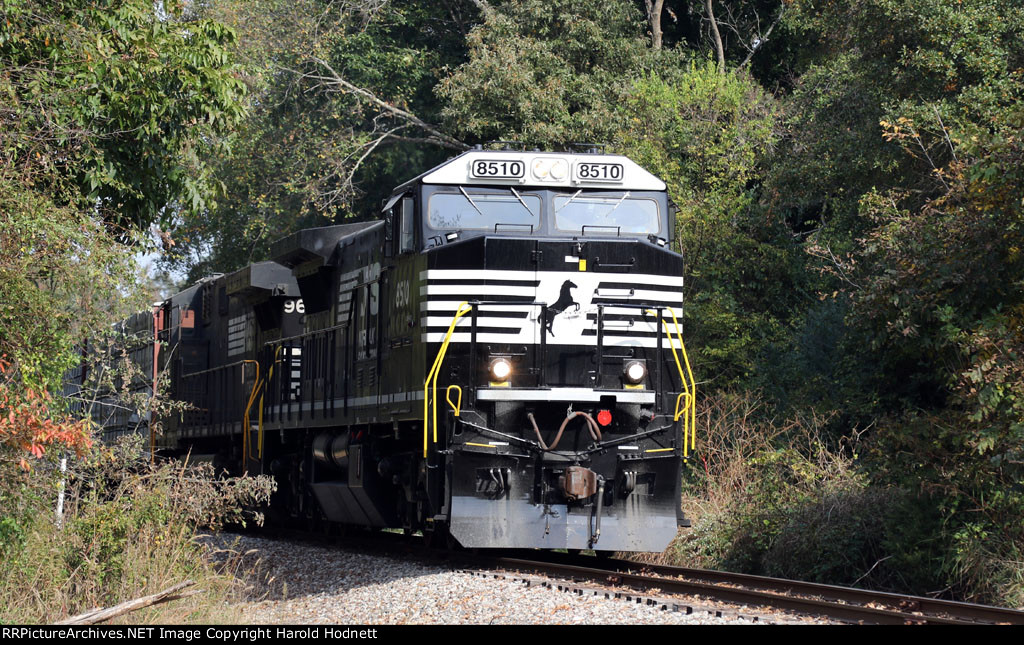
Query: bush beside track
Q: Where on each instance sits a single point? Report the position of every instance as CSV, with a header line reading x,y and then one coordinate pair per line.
x,y
784,499
129,529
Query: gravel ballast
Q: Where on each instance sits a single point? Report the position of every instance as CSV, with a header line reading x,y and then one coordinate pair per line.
x,y
302,583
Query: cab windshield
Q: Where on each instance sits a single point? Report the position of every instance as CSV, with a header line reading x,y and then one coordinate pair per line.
x,y
467,210
606,213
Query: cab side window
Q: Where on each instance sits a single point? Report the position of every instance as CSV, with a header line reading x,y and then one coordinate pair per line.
x,y
406,226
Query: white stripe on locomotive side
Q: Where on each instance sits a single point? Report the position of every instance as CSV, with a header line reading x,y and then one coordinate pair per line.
x,y
446,309
462,292
610,340
446,306
482,321
501,274
482,291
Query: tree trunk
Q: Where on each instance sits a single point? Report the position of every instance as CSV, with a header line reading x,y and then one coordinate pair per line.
x,y
654,20
719,50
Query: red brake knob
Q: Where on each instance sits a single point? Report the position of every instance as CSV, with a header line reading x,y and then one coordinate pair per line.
x,y
604,417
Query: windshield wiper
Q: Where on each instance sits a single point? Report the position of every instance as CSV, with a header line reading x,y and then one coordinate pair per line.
x,y
520,198
471,202
617,204
575,195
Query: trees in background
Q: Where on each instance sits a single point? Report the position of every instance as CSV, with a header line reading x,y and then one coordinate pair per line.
x,y
844,173
114,107
847,177
107,115
342,107
902,153
549,74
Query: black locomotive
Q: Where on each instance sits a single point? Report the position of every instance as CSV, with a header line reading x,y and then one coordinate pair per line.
x,y
498,360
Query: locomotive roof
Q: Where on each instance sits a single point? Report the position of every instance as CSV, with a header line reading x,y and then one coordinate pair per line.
x,y
262,278
566,170
314,243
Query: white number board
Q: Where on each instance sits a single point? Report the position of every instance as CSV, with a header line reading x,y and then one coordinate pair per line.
x,y
497,169
593,171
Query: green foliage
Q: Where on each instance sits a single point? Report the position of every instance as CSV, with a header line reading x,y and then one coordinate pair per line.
x,y
849,205
113,106
548,73
785,499
875,61
63,277
911,138
107,112
705,132
310,152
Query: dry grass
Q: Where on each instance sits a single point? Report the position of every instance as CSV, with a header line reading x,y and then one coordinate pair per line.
x,y
129,530
749,475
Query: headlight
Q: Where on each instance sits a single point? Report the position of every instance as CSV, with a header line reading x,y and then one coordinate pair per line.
x,y
501,369
635,371
550,169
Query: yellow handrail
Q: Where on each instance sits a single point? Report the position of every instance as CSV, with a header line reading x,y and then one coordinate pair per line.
x,y
686,406
431,381
245,418
448,396
693,386
689,386
270,375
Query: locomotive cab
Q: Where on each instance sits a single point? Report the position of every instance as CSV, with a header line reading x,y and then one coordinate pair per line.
x,y
445,206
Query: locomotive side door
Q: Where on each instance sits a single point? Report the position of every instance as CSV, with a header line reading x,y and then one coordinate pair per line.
x,y
401,304
368,316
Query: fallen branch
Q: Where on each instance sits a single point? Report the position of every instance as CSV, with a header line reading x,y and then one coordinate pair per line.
x,y
100,615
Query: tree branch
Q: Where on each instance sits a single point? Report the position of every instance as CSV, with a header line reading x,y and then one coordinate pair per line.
x,y
100,615
336,79
761,39
486,9
347,185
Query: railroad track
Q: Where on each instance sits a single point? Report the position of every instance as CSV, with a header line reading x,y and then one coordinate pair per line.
x,y
842,603
662,584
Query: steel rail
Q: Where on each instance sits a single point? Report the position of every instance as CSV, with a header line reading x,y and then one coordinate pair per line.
x,y
902,602
844,603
